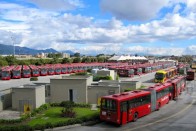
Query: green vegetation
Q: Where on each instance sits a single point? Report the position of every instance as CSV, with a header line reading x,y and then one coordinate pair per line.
x,y
142,87
97,78
129,89
50,116
53,115
34,79
80,74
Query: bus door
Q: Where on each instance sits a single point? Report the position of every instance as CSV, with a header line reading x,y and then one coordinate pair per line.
x,y
124,112
153,100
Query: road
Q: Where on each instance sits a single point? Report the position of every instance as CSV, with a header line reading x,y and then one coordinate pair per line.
x,y
6,84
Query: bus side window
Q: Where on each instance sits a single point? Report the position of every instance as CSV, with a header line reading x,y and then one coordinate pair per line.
x,y
123,106
131,103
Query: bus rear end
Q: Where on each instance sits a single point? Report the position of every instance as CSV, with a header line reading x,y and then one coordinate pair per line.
x,y
109,110
190,75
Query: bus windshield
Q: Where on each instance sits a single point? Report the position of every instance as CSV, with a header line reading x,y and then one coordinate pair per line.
x,y
16,73
159,76
108,104
26,71
5,74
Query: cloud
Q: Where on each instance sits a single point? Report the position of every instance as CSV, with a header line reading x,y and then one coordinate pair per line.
x,y
191,4
155,51
57,5
190,50
40,29
139,10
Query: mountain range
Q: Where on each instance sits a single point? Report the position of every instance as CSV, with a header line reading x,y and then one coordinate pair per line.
x,y
9,50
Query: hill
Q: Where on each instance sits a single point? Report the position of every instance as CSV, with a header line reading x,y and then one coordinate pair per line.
x,y
8,50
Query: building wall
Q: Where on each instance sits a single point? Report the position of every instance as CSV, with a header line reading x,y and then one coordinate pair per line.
x,y
40,96
129,84
5,99
107,73
123,84
60,90
22,94
95,92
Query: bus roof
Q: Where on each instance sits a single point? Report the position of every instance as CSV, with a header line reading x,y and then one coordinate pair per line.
x,y
159,86
127,95
161,71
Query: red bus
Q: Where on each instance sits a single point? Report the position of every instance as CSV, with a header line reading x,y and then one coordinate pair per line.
x,y
126,72
129,106
34,70
57,69
51,70
64,69
125,107
190,75
16,72
178,85
26,72
161,93
43,70
6,73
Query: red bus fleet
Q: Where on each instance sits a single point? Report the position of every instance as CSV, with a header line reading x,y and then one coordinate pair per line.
x,y
129,106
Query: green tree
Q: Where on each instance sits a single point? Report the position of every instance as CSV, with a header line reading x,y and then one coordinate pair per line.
x,y
55,60
3,62
66,60
86,60
76,60
101,59
11,60
24,62
76,54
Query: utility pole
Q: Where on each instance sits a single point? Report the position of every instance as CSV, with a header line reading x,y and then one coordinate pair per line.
x,y
13,42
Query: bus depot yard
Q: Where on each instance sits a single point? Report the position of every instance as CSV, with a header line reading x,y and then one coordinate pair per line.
x,y
51,115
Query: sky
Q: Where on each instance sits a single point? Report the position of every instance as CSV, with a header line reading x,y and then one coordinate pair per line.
x,y
153,27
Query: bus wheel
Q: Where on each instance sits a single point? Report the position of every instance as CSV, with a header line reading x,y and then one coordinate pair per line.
x,y
135,117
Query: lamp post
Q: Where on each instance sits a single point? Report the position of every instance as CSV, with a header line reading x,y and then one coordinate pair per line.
x,y
13,42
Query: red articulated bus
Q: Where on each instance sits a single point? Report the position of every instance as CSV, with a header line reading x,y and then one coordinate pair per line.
x,y
178,85
161,93
34,70
26,72
6,73
125,107
16,72
129,106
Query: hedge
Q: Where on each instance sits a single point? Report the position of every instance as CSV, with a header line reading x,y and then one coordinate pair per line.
x,y
34,79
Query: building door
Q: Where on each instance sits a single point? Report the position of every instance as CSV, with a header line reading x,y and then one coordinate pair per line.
x,y
70,94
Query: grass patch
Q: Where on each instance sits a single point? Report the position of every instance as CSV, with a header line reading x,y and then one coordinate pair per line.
x,y
53,115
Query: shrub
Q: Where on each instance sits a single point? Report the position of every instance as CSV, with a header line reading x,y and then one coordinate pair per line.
x,y
128,89
97,78
34,79
81,73
68,111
